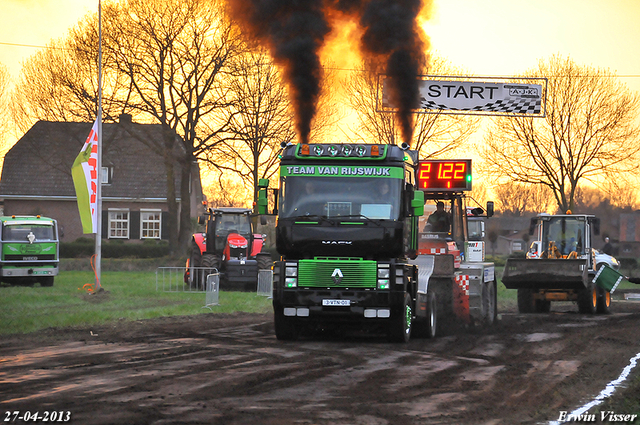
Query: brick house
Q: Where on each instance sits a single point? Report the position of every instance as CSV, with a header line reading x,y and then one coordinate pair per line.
x,y
36,179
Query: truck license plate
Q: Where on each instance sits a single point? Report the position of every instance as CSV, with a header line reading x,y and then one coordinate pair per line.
x,y
336,303
29,258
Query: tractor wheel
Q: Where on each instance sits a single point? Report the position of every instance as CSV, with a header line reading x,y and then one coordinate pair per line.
x,y
195,261
285,329
400,326
526,302
209,263
264,261
588,299
604,301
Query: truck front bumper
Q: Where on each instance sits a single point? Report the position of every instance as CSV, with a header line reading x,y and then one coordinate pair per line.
x,y
9,271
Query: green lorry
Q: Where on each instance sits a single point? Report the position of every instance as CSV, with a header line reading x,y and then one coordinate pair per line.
x,y
29,250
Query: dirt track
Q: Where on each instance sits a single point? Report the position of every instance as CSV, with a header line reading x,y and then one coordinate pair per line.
x,y
231,370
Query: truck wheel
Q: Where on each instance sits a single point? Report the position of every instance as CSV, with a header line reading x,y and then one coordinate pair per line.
x,y
209,263
46,281
285,329
588,299
525,300
264,261
604,301
489,303
400,326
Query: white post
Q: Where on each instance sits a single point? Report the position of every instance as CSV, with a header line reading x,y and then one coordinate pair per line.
x,y
99,191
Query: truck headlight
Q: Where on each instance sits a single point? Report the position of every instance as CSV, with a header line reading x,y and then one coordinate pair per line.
x,y
291,282
291,272
383,283
383,273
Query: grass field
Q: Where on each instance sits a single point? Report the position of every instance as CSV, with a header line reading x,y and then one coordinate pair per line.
x,y
131,295
127,296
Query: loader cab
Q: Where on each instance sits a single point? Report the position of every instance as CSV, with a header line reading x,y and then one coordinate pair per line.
x,y
565,235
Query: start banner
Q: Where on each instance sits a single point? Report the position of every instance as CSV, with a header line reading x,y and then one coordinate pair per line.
x,y
521,97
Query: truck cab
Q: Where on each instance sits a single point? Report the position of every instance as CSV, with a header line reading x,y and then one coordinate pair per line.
x,y
30,250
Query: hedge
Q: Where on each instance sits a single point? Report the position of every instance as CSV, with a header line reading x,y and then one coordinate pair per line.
x,y
114,249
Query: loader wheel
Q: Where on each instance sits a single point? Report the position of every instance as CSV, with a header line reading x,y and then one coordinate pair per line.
x,y
285,329
588,299
604,301
210,264
543,306
400,326
264,261
526,302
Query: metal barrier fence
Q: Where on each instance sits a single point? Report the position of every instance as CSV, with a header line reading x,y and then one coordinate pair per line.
x,y
213,290
172,279
265,283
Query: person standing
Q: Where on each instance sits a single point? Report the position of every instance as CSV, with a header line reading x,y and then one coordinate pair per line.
x,y
607,248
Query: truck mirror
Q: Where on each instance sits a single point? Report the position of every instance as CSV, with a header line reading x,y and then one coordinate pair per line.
x,y
202,219
417,203
489,208
596,225
263,220
532,225
263,183
262,202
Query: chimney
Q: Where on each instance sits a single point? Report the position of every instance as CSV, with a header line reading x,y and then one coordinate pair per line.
x,y
124,119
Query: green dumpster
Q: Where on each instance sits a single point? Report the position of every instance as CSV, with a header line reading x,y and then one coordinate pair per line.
x,y
608,278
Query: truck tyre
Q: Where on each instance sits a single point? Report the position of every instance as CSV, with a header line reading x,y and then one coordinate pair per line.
x,y
264,261
489,303
46,281
427,327
588,299
285,329
604,301
525,300
400,326
210,264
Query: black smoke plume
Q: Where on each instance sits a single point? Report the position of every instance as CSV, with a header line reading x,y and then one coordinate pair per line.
x,y
295,30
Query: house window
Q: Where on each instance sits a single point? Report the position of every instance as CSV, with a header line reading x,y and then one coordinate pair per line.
x,y
118,224
106,175
150,224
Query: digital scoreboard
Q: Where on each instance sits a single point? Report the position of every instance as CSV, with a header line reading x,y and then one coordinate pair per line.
x,y
436,175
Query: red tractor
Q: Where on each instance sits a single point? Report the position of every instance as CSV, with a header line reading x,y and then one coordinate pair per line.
x,y
229,246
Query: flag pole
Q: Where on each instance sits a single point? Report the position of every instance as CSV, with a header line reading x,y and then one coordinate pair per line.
x,y
98,268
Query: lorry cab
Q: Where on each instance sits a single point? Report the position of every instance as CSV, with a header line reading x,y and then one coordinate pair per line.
x,y
29,249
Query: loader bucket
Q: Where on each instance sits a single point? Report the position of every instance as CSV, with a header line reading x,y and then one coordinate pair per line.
x,y
608,278
546,273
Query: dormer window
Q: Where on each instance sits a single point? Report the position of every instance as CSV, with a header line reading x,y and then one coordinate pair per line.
x,y
106,175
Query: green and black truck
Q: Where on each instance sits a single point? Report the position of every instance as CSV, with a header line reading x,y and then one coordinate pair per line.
x,y
30,250
352,248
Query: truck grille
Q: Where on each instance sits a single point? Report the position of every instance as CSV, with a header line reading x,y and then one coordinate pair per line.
x,y
25,257
355,274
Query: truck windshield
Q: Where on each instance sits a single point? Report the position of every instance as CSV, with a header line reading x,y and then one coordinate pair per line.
x,y
21,232
566,233
371,197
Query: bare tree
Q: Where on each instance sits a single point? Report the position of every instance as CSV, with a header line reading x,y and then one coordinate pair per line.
x,y
518,198
590,131
174,54
259,119
5,80
433,134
